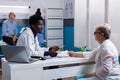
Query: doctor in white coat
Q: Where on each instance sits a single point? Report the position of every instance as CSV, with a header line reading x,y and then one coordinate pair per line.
x,y
29,40
105,56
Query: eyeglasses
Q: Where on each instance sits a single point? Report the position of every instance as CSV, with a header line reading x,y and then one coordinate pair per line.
x,y
96,32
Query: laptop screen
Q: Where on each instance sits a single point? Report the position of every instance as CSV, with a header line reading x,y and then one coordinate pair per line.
x,y
15,54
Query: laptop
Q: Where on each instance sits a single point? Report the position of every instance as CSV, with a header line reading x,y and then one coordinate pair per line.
x,y
16,54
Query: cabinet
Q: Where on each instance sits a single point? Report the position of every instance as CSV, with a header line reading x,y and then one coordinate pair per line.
x,y
54,27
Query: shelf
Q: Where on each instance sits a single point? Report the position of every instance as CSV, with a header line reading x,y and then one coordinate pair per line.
x,y
55,17
56,37
54,27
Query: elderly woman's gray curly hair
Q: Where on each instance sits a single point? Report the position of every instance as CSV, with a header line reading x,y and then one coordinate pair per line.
x,y
105,29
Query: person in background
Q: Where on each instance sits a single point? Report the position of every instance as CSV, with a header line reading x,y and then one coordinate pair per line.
x,y
40,35
41,39
105,56
29,39
9,30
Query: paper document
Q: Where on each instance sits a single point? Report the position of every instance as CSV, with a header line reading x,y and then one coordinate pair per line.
x,y
62,53
59,55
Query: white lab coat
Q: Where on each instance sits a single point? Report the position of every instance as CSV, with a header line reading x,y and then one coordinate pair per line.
x,y
31,43
106,59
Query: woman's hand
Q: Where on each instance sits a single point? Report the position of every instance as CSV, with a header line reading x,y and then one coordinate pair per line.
x,y
71,54
89,75
74,54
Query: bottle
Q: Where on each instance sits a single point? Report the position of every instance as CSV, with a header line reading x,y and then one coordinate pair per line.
x,y
83,49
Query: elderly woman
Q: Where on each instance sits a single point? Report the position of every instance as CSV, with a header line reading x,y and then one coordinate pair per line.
x,y
105,55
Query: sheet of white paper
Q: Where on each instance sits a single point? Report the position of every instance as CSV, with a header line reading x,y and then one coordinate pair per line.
x,y
62,53
59,55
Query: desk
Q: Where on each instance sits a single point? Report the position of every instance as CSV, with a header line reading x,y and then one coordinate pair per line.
x,y
69,67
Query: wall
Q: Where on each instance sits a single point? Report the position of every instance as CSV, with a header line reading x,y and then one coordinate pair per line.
x,y
88,14
69,35
114,21
80,29
20,13
45,4
69,26
22,20
34,4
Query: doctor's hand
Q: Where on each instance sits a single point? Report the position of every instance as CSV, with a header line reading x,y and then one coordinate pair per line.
x,y
52,51
56,48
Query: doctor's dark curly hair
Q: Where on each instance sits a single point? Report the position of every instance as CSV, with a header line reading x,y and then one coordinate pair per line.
x,y
38,12
34,19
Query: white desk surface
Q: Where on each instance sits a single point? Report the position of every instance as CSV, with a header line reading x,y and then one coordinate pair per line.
x,y
36,71
48,62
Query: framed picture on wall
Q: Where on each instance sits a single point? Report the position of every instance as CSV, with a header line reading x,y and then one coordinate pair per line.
x,y
68,8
